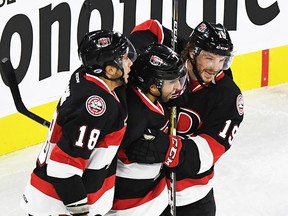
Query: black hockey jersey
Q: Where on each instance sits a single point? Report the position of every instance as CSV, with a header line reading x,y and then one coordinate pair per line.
x,y
208,121
78,159
140,189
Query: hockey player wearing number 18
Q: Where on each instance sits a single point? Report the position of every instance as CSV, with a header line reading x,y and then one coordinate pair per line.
x,y
76,168
141,189
210,112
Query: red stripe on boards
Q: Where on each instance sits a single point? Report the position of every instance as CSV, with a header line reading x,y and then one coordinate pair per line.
x,y
265,67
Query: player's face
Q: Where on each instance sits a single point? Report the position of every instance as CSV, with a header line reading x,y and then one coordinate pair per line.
x,y
169,88
126,63
209,64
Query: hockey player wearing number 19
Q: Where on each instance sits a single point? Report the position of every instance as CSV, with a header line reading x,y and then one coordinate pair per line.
x,y
210,112
76,168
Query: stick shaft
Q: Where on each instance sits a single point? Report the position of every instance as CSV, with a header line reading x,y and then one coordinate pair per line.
x,y
173,115
8,73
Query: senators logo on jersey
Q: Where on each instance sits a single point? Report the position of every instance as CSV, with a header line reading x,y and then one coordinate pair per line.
x,y
240,104
95,105
188,122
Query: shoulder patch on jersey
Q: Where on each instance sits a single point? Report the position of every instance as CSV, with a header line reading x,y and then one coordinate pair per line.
x,y
240,104
95,105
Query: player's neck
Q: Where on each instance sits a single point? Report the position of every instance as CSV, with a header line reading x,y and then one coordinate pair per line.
x,y
112,84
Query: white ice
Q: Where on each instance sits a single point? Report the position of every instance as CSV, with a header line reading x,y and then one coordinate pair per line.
x,y
250,179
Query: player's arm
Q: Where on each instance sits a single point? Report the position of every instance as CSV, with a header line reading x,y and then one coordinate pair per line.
x,y
65,170
72,192
75,142
197,153
215,135
151,31
156,146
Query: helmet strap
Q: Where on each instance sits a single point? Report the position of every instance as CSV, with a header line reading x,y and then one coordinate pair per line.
x,y
195,71
156,96
159,87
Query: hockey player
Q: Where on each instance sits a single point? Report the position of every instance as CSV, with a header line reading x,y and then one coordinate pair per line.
x,y
76,168
141,189
209,116
152,31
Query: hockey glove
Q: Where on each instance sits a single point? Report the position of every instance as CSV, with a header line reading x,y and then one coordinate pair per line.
x,y
156,147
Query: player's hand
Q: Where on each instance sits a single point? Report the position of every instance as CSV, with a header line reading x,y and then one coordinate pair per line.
x,y
78,209
155,147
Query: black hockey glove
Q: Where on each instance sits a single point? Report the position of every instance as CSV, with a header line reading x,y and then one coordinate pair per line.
x,y
156,147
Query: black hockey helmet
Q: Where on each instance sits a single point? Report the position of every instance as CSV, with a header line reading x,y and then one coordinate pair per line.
x,y
101,48
213,38
156,63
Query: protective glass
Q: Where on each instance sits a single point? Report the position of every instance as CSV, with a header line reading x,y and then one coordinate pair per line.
x,y
228,62
183,83
129,54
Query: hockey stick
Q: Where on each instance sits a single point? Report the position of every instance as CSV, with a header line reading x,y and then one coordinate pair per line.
x,y
173,115
8,73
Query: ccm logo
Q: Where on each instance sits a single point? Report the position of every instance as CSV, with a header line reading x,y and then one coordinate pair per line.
x,y
172,151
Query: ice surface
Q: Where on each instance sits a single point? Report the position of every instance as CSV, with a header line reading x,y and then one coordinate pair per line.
x,y
250,179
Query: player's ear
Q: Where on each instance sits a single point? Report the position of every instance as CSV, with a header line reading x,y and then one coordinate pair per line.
x,y
110,70
154,90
